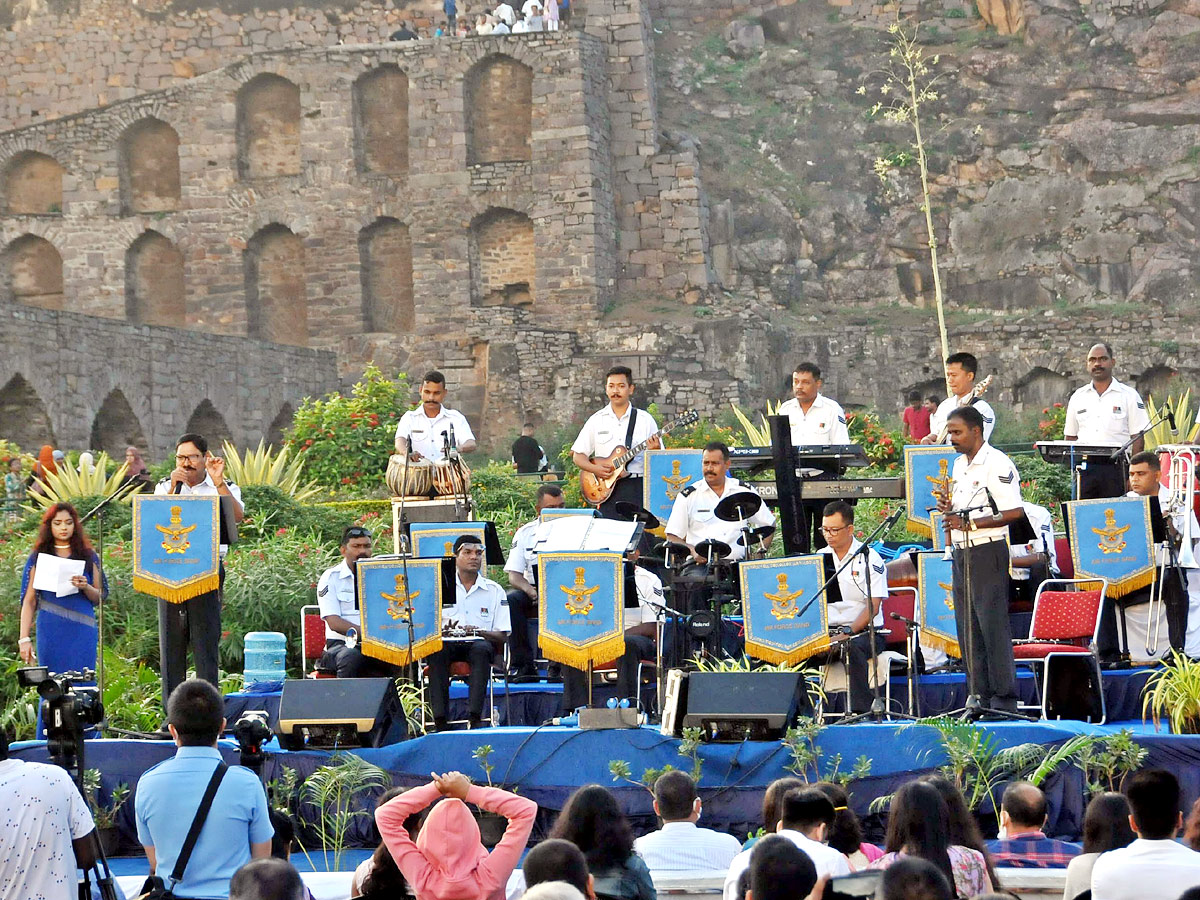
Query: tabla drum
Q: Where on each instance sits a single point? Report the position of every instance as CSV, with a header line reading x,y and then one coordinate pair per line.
x,y
451,478
902,572
413,480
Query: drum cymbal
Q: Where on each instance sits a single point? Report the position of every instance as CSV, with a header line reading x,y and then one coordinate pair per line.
x,y
717,549
756,534
631,512
735,507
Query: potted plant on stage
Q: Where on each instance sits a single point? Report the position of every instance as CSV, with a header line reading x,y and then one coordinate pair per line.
x,y
1173,693
105,814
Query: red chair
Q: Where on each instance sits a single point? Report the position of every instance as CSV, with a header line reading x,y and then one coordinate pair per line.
x,y
1066,621
1062,552
312,641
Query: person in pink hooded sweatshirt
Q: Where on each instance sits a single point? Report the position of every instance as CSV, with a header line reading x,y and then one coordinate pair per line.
x,y
447,860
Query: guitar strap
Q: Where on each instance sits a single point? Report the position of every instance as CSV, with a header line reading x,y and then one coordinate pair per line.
x,y
633,414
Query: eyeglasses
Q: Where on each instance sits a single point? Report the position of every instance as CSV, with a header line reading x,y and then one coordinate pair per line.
x,y
827,530
356,531
184,457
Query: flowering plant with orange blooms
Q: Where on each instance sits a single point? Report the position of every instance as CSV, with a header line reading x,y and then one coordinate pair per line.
x,y
1052,422
884,448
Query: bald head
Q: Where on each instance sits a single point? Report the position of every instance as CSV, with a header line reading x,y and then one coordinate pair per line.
x,y
1025,805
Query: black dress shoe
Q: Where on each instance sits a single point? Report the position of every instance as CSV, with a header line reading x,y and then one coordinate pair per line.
x,y
524,675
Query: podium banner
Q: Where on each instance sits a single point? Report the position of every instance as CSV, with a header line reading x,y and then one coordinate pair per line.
x,y
774,591
1111,538
176,546
433,539
926,469
935,587
667,473
581,607
388,600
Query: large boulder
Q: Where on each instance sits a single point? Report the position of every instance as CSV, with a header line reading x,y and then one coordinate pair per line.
x,y
744,38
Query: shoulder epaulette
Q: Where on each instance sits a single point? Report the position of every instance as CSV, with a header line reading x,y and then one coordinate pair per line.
x,y
688,491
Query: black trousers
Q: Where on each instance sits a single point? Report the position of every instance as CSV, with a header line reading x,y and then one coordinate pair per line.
x,y
1110,640
349,662
195,622
637,648
628,490
479,653
811,537
1102,479
858,661
986,639
521,609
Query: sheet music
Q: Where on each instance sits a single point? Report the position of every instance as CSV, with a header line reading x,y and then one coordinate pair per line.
x,y
53,573
582,533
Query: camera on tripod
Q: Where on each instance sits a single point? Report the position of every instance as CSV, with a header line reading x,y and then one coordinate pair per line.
x,y
68,709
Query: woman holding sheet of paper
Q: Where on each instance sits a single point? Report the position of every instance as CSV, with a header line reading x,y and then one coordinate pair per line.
x,y
61,586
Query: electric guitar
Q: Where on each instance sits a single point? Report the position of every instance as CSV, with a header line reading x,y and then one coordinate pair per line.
x,y
597,489
979,391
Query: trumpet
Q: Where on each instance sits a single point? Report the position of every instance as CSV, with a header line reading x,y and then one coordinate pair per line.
x,y
1176,500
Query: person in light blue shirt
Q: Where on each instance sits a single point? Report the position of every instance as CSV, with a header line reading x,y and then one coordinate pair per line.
x,y
238,827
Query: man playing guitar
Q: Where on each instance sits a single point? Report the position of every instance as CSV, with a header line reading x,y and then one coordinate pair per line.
x,y
619,424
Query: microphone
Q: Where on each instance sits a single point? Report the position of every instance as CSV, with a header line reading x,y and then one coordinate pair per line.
x,y
904,619
992,501
895,517
1170,414
177,488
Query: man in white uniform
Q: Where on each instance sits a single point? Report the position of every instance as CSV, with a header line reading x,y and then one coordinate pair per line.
x,y
338,602
1035,560
1104,413
961,371
478,604
425,432
522,595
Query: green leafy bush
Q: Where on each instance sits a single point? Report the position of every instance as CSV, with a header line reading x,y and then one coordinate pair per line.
x,y
884,448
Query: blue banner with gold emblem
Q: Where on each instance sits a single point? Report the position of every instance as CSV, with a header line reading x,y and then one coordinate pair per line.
x,y
935,587
581,607
1111,538
390,596
774,591
667,473
176,546
926,471
430,539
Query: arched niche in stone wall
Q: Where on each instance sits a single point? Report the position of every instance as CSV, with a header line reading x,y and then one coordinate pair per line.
x,y
276,300
207,422
1041,388
381,121
116,426
268,127
386,267
31,272
279,426
149,167
498,102
23,417
155,292
1159,381
501,254
31,184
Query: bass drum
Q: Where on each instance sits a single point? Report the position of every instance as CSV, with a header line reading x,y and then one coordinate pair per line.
x,y
415,480
451,479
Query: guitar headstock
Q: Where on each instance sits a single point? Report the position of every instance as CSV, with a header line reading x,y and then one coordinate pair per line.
x,y
981,388
687,417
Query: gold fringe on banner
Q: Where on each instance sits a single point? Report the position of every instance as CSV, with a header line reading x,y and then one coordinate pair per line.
x,y
779,658
947,646
1129,585
180,594
398,656
918,527
597,652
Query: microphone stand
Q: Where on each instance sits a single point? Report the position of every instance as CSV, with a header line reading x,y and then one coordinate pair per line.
x,y
660,624
1119,453
98,511
910,642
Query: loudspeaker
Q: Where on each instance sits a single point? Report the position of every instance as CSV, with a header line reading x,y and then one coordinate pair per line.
x,y
727,705
331,712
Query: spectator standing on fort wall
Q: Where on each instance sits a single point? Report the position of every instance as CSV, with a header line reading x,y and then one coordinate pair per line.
x,y
505,13
450,8
551,15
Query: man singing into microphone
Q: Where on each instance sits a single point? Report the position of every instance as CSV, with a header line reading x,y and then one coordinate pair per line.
x,y
428,431
196,621
986,498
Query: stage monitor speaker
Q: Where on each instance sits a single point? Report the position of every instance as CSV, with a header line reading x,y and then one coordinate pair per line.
x,y
1073,688
727,705
330,712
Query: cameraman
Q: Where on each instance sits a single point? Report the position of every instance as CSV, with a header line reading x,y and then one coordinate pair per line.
x,y
237,828
45,829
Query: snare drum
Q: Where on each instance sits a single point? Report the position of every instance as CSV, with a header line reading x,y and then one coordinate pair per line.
x,y
415,480
451,479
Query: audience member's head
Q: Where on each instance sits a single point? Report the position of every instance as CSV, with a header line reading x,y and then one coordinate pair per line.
x,y
267,879
911,878
779,870
1154,801
1106,823
743,884
772,806
675,797
285,833
808,811
1022,808
553,890
196,713
845,836
917,825
963,829
558,860
384,879
593,822
1192,893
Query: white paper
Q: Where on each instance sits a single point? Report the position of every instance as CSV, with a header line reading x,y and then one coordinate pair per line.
x,y
53,573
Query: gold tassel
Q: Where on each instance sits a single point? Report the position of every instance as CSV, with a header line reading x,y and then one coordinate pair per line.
x,y
398,656
947,646
780,658
578,657
921,528
1129,585
179,594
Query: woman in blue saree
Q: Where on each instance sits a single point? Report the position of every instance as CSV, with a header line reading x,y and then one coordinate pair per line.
x,y
66,626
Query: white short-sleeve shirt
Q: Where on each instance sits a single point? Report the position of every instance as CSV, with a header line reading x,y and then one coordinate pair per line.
x,y
483,606
852,582
937,421
1042,523
822,425
521,558
335,597
1105,420
206,488
989,470
694,518
649,588
41,812
424,435
604,432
